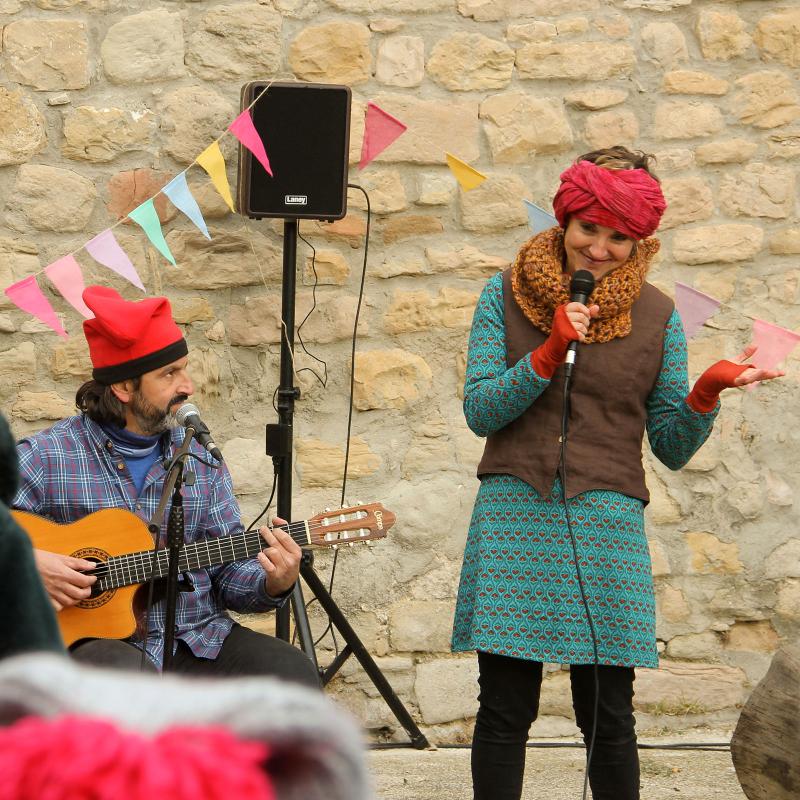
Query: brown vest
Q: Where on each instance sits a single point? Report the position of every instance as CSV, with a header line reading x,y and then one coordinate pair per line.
x,y
610,386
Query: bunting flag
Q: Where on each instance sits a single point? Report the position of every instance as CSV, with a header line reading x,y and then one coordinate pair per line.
x,y
244,130
773,342
27,295
65,274
538,219
105,249
182,198
380,130
694,308
146,216
213,162
467,176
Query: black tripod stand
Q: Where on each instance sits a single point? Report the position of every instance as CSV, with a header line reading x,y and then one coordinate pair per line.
x,y
279,446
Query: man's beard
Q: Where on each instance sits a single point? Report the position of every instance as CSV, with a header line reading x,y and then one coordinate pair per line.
x,y
152,419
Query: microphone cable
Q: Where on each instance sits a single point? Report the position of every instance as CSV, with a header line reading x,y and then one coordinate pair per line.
x,y
562,468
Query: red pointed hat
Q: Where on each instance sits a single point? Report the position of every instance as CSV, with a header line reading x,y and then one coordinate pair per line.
x,y
127,339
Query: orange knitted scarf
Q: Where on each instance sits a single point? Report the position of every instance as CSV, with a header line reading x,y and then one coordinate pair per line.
x,y
540,286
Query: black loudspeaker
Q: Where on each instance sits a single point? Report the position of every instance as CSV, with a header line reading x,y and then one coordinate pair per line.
x,y
305,128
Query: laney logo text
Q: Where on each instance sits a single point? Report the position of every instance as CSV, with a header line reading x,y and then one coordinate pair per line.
x,y
296,200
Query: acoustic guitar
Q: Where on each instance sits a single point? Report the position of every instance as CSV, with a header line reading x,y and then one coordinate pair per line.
x,y
122,547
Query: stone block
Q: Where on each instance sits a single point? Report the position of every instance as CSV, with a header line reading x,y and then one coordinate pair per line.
x,y
17,367
330,266
50,199
225,261
725,151
659,559
101,134
334,52
759,190
47,54
686,119
129,189
248,464
579,61
672,605
615,26
784,144
436,189
22,128
784,561
465,261
766,99
703,646
422,626
680,688
236,42
785,242
410,226
711,556
688,200
144,48
722,34
433,129
777,36
401,61
71,360
471,62
427,457
610,128
390,379
421,311
519,125
321,464
36,406
684,81
378,6
674,159
204,367
788,602
753,637
191,309
726,244
387,193
447,689
191,118
496,205
664,43
18,259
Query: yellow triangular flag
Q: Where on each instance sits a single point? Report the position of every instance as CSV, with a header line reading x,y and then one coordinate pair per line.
x,y
213,162
468,177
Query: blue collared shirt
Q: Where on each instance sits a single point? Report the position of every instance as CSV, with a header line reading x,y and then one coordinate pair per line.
x,y
74,469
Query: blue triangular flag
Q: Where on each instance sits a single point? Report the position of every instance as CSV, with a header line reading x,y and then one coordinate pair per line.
x,y
538,219
182,198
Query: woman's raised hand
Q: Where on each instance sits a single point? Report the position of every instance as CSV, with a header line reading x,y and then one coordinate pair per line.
x,y
754,374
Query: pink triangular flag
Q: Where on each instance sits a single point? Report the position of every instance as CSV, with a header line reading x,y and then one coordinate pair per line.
x,y
27,295
694,308
105,249
244,130
380,130
65,274
773,342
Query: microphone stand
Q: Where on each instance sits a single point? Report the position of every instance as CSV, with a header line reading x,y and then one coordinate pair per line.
x,y
175,531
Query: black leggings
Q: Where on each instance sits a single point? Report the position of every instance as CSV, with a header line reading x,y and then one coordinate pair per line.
x,y
244,653
509,703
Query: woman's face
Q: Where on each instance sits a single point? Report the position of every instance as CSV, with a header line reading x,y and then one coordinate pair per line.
x,y
595,247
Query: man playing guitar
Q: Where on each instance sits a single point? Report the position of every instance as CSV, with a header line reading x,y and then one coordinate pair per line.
x,y
113,455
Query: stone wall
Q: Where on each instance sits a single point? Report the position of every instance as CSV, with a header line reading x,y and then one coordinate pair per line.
x,y
102,101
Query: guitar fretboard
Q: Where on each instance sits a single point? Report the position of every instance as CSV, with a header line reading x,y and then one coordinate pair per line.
x,y
132,568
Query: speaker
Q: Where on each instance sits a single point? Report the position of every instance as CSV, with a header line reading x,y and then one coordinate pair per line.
x,y
305,128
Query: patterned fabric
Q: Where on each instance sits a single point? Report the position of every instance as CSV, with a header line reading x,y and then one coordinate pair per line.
x,y
518,594
537,278
74,469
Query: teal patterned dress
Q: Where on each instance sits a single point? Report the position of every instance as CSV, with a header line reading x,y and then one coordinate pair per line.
x,y
518,594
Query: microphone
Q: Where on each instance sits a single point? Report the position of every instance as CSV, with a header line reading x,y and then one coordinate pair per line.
x,y
188,416
580,287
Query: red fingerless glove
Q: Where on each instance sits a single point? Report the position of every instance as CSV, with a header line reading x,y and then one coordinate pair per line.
x,y
546,358
705,394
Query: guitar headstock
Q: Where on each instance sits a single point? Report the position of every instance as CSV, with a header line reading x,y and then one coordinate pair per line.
x,y
361,523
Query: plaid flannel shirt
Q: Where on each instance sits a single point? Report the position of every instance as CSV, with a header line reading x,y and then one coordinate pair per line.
x,y
73,469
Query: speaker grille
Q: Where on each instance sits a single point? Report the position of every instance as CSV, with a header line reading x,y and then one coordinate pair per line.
x,y
305,128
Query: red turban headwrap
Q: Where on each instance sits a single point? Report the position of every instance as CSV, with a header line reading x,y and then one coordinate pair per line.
x,y
627,200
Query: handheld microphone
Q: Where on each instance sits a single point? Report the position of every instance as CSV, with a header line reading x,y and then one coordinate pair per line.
x,y
580,287
188,416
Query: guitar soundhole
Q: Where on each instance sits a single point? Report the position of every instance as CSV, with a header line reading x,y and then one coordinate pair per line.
x,y
99,596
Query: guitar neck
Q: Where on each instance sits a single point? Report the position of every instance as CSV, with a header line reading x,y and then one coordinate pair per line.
x,y
131,568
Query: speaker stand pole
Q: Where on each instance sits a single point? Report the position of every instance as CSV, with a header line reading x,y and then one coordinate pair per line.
x,y
288,393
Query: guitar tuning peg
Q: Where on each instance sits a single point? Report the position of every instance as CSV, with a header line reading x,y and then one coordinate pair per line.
x,y
350,544
368,543
327,510
334,547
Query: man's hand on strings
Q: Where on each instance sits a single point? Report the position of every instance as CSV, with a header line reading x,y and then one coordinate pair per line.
x,y
280,559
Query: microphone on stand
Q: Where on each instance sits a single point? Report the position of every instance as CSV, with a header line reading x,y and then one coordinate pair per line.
x,y
580,287
188,416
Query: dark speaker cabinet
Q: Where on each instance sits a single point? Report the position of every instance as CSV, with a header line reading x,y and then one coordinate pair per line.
x,y
305,128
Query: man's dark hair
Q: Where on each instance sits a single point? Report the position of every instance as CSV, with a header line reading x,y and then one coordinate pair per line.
x,y
100,404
